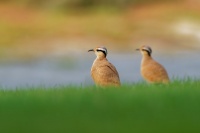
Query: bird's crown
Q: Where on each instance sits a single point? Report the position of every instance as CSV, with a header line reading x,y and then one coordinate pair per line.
x,y
102,49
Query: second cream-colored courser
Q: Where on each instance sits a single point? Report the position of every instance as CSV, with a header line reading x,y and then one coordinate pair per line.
x,y
103,72
151,70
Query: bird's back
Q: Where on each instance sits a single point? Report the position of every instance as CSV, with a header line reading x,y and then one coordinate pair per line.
x,y
153,72
104,73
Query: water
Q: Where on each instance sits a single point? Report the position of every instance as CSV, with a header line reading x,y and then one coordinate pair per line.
x,y
56,71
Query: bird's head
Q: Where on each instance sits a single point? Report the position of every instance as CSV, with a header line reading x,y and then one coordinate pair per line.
x,y
145,50
100,51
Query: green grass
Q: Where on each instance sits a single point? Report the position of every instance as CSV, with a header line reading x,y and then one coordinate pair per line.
x,y
138,108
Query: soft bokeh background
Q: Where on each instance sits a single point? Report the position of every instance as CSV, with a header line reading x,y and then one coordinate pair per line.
x,y
45,42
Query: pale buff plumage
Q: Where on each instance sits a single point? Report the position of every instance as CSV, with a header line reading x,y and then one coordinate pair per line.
x,y
103,72
152,71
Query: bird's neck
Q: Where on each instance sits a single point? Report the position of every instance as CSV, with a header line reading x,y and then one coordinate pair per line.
x,y
98,60
146,58
101,58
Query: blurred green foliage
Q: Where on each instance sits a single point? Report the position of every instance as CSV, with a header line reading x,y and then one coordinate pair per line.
x,y
83,3
30,25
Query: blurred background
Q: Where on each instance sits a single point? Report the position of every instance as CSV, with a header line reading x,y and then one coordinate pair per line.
x,y
45,42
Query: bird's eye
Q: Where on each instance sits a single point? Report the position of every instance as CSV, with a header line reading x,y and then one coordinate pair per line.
x,y
99,50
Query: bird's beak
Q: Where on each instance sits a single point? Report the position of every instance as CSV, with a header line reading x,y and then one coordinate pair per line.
x,y
90,50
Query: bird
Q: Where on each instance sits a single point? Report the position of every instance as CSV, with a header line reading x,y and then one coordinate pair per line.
x,y
102,71
151,70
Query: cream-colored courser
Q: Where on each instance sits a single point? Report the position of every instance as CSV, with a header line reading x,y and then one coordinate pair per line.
x,y
103,72
152,71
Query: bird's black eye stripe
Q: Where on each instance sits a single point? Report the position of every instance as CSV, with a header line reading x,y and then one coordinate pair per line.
x,y
101,51
149,53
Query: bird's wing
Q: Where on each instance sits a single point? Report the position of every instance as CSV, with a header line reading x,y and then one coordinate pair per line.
x,y
155,72
113,69
106,74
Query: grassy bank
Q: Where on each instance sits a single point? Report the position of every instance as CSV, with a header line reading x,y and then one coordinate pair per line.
x,y
136,108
